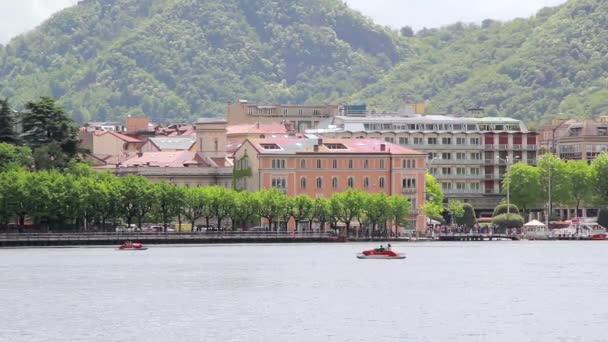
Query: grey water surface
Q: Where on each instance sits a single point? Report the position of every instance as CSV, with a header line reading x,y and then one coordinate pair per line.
x,y
488,291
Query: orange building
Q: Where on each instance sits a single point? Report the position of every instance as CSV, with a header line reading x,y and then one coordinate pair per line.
x,y
322,167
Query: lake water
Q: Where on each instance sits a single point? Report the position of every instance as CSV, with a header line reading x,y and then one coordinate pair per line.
x,y
488,291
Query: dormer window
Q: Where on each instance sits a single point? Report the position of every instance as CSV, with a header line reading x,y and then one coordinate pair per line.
x,y
336,146
270,146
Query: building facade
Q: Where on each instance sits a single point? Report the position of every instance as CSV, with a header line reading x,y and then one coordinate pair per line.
x,y
298,117
468,156
578,140
322,167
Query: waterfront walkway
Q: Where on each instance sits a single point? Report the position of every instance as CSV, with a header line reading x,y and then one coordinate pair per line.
x,y
478,237
91,239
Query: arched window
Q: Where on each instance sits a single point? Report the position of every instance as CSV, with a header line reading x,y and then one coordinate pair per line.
x,y
303,164
303,182
381,182
366,164
334,182
319,183
351,182
366,182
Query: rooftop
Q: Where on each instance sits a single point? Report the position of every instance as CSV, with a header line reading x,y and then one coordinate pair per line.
x,y
257,128
173,143
166,159
328,146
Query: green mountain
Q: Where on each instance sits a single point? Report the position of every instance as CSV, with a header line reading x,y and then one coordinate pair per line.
x,y
182,59
533,69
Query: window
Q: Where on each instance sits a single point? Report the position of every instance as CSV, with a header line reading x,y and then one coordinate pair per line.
x,y
409,164
351,182
319,183
318,163
366,164
418,141
461,141
303,164
278,163
350,164
389,139
366,182
381,182
446,171
433,171
446,156
279,183
334,164
475,186
403,141
461,171
446,141
461,156
475,141
446,186
476,156
336,146
334,182
284,111
300,112
461,186
431,141
408,183
382,163
475,171
316,112
303,182
270,146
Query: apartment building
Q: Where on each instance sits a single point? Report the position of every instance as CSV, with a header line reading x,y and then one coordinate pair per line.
x,y
468,156
322,167
298,117
577,140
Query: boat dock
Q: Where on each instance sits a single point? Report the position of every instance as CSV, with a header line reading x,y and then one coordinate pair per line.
x,y
93,239
478,237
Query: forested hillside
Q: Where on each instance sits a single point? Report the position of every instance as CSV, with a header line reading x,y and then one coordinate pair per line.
x,y
182,59
533,69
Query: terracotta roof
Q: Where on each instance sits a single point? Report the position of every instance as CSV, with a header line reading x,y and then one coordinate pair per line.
x,y
166,159
329,146
257,128
121,136
172,143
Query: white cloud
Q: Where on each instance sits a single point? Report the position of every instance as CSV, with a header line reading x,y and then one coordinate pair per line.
x,y
19,16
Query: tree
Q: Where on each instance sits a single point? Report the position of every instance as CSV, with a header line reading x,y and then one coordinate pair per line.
x,y
302,209
467,218
580,178
135,198
46,124
270,204
246,206
321,211
7,134
168,202
456,208
407,31
433,206
195,202
553,179
599,168
348,206
504,208
15,156
399,209
524,184
375,209
505,221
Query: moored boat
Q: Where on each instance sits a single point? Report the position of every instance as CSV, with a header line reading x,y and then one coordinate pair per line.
x,y
582,229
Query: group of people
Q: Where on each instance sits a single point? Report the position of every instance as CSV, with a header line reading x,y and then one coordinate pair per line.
x,y
382,249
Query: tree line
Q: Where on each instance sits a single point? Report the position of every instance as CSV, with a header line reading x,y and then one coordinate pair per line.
x,y
79,198
571,183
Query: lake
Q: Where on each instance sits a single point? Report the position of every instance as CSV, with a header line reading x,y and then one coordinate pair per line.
x,y
476,291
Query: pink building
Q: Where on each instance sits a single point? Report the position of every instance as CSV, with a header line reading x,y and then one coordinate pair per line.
x,y
321,167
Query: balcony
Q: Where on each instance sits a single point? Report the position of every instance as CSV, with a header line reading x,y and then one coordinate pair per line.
x,y
488,147
408,190
517,147
489,177
531,147
503,147
460,191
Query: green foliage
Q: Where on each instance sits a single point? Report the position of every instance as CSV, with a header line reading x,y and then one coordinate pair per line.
x,y
524,184
178,60
7,122
599,168
433,206
14,156
580,182
468,216
508,221
503,209
456,208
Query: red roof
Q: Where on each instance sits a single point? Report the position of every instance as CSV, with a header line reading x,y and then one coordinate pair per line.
x,y
166,159
330,146
121,136
257,128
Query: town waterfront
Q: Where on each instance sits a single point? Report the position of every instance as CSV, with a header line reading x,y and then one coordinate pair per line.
x,y
487,291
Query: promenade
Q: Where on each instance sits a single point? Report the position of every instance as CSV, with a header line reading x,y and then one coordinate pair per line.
x,y
92,239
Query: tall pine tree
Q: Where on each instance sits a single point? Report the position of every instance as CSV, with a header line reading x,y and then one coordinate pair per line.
x,y
7,133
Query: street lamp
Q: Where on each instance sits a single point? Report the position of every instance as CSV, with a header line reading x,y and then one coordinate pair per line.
x,y
507,161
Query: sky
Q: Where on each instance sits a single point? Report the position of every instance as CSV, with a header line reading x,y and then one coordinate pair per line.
x,y
19,16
